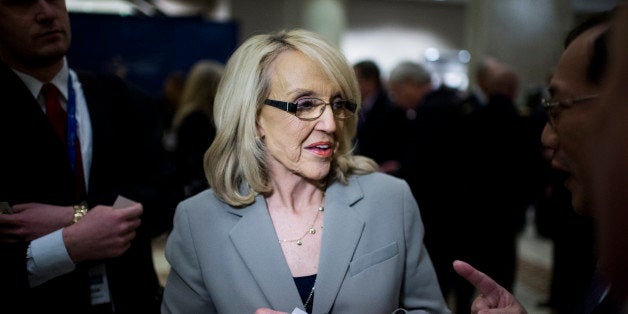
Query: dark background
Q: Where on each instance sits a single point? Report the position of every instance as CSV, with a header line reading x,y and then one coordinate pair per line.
x,y
144,50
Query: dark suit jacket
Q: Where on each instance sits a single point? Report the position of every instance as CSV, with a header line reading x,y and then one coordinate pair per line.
x,y
127,160
378,131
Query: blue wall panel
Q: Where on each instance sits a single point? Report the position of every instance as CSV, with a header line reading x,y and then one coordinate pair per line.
x,y
147,49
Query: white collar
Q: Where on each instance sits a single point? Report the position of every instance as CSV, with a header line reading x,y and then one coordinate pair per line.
x,y
60,80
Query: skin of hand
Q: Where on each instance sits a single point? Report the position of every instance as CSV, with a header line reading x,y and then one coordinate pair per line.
x,y
103,233
33,220
493,298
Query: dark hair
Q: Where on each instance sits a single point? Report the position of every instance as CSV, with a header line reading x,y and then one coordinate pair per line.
x,y
598,64
368,70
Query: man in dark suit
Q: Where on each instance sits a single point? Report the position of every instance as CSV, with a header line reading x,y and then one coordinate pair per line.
x,y
574,117
496,183
428,161
379,125
70,143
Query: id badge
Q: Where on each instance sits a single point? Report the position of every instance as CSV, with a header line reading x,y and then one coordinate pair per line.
x,y
98,284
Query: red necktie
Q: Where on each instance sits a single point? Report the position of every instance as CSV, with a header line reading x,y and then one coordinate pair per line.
x,y
55,113
58,118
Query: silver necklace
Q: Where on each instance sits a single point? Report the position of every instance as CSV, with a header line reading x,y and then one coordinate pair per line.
x,y
310,229
309,298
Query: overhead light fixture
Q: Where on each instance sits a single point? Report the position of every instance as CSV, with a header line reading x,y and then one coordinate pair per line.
x,y
431,54
120,7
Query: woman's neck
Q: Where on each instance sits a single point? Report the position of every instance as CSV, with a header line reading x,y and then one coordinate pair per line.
x,y
295,195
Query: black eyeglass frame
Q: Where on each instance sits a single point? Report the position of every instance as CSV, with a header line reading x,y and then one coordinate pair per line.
x,y
552,107
292,107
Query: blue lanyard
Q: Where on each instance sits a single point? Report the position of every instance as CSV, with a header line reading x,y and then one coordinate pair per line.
x,y
71,135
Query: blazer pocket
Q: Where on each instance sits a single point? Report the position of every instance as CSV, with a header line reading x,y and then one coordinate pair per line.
x,y
373,258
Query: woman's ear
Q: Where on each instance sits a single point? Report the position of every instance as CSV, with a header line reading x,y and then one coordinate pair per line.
x,y
260,130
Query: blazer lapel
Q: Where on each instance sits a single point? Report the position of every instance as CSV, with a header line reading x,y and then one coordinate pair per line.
x,y
251,236
343,229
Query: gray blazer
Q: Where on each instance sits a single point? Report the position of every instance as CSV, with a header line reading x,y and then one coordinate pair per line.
x,y
229,260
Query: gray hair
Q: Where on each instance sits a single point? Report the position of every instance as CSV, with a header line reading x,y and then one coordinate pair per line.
x,y
408,70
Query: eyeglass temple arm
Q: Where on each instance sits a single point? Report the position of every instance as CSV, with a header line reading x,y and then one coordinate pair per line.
x,y
283,105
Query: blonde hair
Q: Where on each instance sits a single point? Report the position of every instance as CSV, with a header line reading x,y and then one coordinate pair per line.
x,y
199,90
235,163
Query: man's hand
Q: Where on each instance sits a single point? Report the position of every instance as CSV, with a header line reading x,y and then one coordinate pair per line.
x,y
33,220
103,233
493,298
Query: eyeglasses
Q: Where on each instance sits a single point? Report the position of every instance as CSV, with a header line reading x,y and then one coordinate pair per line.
x,y
555,107
312,108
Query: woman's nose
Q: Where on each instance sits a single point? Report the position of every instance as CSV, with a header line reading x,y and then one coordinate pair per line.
x,y
327,122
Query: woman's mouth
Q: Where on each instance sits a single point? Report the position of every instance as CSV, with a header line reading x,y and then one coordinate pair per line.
x,y
323,149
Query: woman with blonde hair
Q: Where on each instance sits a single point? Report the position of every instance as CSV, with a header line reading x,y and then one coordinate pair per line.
x,y
193,124
293,220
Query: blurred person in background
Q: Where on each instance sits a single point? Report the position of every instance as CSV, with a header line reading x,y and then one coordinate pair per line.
x,y
193,124
171,97
429,158
478,96
379,123
495,158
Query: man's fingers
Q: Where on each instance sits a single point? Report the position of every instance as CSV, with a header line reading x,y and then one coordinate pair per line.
x,y
483,283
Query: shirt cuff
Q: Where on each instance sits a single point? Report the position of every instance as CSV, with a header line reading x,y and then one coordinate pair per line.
x,y
47,258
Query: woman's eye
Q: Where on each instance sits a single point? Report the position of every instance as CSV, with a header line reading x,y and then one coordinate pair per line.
x,y
339,103
306,104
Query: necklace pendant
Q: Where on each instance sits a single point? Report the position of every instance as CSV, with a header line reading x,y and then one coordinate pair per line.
x,y
312,230
299,242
